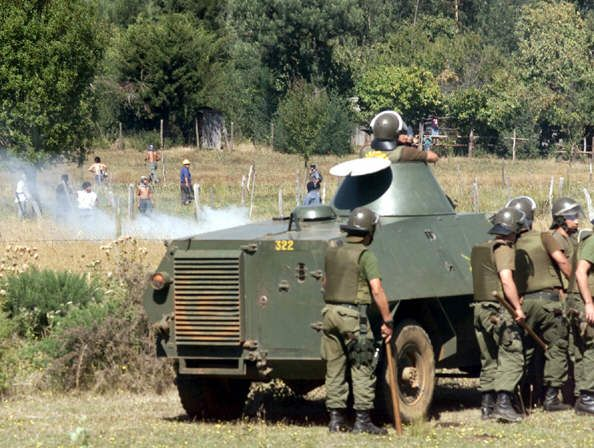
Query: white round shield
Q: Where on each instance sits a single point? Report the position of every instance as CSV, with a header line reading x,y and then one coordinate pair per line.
x,y
360,167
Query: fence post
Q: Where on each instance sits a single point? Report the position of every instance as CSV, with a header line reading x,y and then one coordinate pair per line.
x,y
231,139
281,212
252,194
161,134
118,218
471,143
475,196
551,187
561,180
242,189
197,133
297,187
196,188
249,178
121,137
514,146
130,201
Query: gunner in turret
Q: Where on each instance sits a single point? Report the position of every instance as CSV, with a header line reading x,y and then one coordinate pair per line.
x,y
391,141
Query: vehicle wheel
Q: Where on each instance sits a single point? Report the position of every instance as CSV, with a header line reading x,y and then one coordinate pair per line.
x,y
416,372
212,398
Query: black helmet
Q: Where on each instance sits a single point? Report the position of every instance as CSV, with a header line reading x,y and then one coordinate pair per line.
x,y
565,208
361,222
386,126
506,221
525,204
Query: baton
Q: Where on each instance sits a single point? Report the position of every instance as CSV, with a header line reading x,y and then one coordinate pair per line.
x,y
394,389
522,324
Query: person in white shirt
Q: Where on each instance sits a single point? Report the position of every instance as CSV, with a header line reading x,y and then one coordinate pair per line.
x,y
22,197
86,199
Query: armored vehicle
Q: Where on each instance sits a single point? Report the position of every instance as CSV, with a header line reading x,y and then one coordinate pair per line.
x,y
243,304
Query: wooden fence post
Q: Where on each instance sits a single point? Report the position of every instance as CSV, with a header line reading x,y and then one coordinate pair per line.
x,y
196,188
197,133
471,143
280,203
161,135
475,196
550,197
252,194
561,181
121,138
231,139
297,188
249,178
243,190
118,218
272,134
514,146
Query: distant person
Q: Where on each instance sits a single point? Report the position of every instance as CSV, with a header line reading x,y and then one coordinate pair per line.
x,y
99,169
434,126
152,157
144,192
64,197
315,176
185,180
22,198
86,200
313,195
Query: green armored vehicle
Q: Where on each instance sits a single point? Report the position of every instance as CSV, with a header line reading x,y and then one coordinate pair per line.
x,y
243,304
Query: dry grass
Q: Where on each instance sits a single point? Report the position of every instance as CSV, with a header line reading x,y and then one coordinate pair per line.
x,y
125,420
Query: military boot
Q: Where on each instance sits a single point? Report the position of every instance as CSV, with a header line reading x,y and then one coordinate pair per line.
x,y
338,422
504,410
551,400
364,424
487,404
585,404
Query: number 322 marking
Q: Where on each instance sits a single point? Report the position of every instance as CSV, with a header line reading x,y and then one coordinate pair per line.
x,y
283,245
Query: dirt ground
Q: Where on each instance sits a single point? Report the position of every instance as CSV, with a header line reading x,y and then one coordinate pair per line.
x,y
270,420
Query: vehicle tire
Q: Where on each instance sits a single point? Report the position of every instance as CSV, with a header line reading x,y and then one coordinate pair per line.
x,y
416,372
212,398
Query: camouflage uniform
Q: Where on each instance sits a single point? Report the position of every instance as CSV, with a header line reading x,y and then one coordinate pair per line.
x,y
499,337
341,324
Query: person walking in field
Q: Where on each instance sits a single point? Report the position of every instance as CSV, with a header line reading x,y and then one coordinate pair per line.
x,y
22,198
185,179
499,337
86,200
152,157
99,170
352,281
144,193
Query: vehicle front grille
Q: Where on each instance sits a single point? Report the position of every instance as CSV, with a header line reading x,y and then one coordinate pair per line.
x,y
207,301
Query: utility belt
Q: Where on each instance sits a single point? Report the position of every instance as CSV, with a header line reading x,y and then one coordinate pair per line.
x,y
545,294
362,309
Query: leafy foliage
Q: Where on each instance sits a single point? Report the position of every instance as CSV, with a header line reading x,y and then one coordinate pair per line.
x,y
409,90
34,298
49,52
309,121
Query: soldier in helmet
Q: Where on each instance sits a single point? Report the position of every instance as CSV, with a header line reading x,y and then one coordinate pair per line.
x,y
565,213
580,310
391,141
352,280
540,267
498,335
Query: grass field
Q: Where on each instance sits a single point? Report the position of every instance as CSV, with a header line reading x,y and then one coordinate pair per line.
x,y
29,419
126,420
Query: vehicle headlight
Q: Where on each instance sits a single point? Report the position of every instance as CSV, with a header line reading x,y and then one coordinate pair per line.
x,y
159,280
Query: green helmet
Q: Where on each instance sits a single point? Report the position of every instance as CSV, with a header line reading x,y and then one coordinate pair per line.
x,y
565,208
386,126
506,221
525,204
361,222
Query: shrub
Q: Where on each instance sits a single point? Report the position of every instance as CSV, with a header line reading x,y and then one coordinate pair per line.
x,y
7,353
35,298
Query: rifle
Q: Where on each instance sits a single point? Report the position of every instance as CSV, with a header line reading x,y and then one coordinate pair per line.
x,y
522,324
394,389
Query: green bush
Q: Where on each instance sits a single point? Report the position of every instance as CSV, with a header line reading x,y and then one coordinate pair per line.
x,y
7,354
34,299
311,121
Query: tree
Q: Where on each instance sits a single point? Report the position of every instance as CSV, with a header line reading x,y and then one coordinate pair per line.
x,y
409,90
168,68
554,60
49,53
310,121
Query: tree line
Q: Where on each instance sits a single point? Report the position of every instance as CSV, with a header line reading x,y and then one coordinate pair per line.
x,y
297,73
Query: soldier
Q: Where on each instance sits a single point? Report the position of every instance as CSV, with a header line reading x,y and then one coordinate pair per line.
x,y
580,310
538,276
566,213
498,335
352,279
390,141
